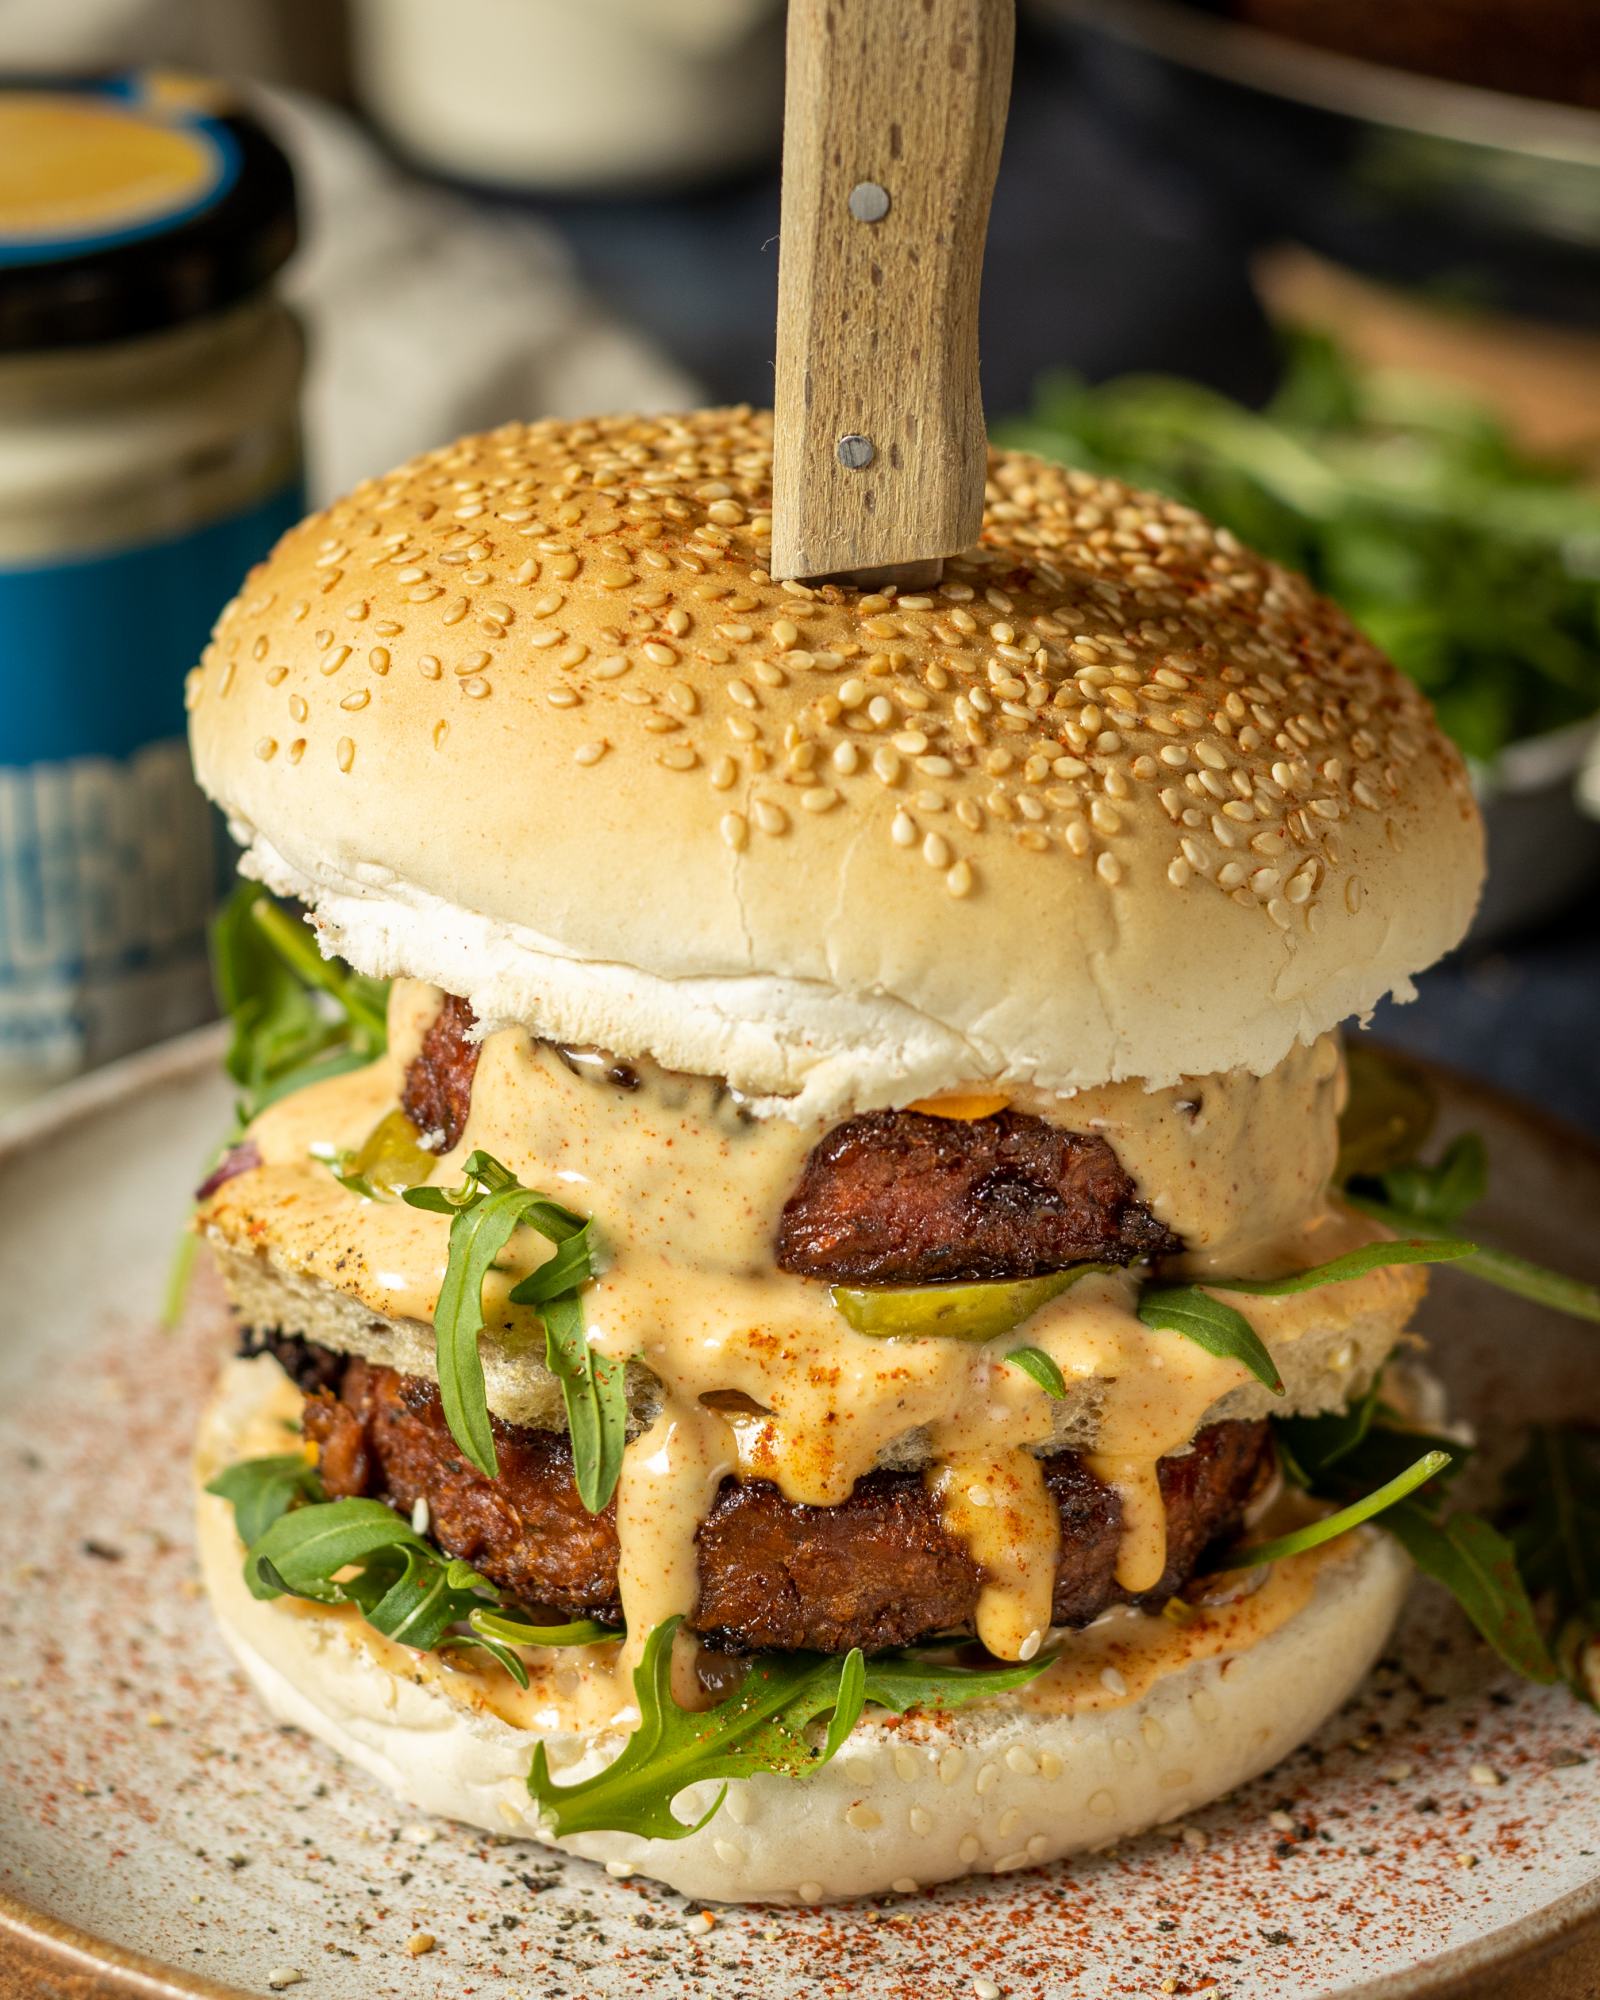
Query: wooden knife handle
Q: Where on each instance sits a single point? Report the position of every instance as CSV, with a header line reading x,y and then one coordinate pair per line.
x,y
893,119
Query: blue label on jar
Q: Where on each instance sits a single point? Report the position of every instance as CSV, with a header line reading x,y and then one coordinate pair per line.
x,y
107,850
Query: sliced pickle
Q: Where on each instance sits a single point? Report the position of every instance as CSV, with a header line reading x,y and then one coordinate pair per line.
x,y
954,1312
1387,1116
390,1159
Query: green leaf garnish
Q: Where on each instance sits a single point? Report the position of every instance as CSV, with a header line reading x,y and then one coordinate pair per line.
x,y
1035,1362
297,1017
1478,1567
518,1632
1551,1516
1315,1533
1223,1330
489,1206
1501,1268
1353,1264
1419,1200
300,1545
1220,1329
402,1586
261,1490
760,1726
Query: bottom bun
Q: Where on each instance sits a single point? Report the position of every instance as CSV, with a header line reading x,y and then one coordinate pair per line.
x,y
908,1801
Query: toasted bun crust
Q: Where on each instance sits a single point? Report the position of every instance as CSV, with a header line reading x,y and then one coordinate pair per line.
x,y
904,1804
1119,799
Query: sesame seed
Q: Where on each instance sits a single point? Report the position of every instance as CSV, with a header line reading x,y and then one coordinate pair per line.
x,y
419,1944
820,799
345,753
735,830
903,830
864,1818
297,749
959,882
267,748
590,753
769,816
356,699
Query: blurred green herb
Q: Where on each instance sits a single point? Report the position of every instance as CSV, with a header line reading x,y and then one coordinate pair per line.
x,y
296,1017
1551,1517
1475,565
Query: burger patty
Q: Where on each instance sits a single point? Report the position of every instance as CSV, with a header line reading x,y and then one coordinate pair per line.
x,y
878,1570
895,1197
438,1085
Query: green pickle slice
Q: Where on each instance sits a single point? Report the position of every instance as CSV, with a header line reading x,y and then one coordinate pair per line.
x,y
391,1158
954,1312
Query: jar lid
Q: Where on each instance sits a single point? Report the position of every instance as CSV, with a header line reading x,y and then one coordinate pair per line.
x,y
129,204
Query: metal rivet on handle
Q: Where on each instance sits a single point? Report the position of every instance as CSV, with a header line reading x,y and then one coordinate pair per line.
x,y
869,202
856,451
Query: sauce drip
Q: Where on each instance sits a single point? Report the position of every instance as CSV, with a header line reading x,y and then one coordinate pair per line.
x,y
686,1187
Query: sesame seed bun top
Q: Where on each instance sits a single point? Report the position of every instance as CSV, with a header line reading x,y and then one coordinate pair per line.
x,y
1116,799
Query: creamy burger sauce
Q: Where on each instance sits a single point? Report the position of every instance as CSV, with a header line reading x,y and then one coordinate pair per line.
x,y
687,1189
1108,1665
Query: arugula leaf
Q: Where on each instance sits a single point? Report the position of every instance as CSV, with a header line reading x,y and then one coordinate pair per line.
x,y
908,1679
1354,1264
1460,1550
1551,1516
1332,1526
485,1211
1417,1199
1220,1329
402,1585
1035,1362
297,1017
260,1490
1501,1268
517,1632
1223,1330
1478,1566
760,1726
1440,1195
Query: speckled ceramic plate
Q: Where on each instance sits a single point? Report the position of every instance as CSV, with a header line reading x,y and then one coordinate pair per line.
x,y
158,1836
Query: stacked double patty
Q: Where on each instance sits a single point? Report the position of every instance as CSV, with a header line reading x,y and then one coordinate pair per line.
x,y
887,1198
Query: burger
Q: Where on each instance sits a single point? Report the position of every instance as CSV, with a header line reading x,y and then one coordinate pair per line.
x,y
803,1330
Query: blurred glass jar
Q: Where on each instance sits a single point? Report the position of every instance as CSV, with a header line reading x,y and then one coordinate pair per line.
x,y
607,95
149,453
